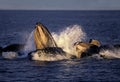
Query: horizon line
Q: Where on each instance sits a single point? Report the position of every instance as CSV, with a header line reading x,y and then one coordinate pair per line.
x,y
64,9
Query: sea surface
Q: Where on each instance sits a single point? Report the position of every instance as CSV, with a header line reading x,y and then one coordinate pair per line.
x,y
17,25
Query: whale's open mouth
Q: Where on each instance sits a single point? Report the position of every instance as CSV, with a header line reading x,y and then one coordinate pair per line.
x,y
46,47
42,37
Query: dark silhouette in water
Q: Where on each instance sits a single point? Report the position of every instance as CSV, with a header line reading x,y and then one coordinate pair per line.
x,y
12,48
110,47
96,50
11,51
0,51
84,49
92,50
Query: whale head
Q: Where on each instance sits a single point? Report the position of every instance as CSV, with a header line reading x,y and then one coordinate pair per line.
x,y
87,49
42,37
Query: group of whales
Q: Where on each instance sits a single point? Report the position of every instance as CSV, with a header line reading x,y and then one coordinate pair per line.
x,y
47,49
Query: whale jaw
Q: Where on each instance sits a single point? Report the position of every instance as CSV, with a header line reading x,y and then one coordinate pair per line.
x,y
42,37
48,54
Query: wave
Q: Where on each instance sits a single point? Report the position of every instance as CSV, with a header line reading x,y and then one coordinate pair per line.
x,y
68,37
110,52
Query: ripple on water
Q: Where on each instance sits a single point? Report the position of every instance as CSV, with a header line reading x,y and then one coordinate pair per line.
x,y
67,70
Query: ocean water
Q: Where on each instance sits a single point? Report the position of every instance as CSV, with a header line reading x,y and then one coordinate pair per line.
x,y
16,27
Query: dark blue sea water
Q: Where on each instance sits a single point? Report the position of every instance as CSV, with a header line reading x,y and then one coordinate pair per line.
x,y
16,26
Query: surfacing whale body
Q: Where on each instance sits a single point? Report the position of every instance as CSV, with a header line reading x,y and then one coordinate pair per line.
x,y
11,51
84,49
48,54
46,47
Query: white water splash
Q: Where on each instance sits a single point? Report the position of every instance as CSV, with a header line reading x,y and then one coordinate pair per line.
x,y
47,57
9,55
29,46
110,54
68,37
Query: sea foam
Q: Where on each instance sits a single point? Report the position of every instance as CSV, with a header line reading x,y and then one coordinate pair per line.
x,y
110,54
68,37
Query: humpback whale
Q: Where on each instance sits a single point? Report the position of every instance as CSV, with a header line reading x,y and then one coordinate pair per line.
x,y
11,51
13,47
84,49
46,47
48,50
